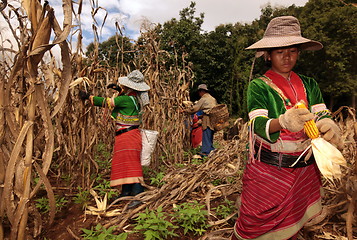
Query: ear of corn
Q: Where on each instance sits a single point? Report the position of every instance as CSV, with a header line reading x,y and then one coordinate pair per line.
x,y
328,158
310,127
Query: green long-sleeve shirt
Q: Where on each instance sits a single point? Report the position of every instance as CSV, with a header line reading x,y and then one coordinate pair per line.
x,y
125,109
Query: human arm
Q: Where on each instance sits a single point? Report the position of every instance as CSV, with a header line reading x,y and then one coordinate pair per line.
x,y
327,127
195,108
269,113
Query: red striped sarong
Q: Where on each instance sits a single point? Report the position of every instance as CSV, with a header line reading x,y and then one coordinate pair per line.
x,y
276,203
196,137
126,165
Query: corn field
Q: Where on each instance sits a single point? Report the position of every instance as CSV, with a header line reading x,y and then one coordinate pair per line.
x,y
47,130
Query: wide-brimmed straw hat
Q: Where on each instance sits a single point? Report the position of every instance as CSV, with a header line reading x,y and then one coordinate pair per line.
x,y
283,32
135,80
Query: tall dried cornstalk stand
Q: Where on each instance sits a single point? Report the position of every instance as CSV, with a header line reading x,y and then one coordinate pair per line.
x,y
169,88
27,133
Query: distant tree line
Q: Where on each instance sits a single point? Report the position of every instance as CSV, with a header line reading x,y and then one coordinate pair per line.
x,y
220,60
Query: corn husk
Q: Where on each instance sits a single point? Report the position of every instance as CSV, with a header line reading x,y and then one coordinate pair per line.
x,y
328,158
101,208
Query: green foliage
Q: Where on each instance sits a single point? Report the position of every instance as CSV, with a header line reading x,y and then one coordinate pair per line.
x,y
101,184
192,151
179,37
191,217
43,204
67,178
217,182
334,67
225,209
82,197
103,187
198,161
102,156
114,52
154,226
101,233
157,180
179,165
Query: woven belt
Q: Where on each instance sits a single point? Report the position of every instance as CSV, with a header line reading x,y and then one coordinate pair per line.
x,y
126,130
273,158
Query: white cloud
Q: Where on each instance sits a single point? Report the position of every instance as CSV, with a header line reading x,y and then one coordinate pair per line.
x,y
131,13
216,12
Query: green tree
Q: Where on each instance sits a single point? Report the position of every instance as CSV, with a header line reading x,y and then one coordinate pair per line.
x,y
182,38
334,24
117,51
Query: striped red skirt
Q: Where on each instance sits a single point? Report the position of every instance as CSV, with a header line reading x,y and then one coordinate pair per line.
x,y
196,137
276,203
126,165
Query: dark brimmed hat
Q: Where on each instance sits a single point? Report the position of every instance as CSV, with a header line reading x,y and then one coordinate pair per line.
x,y
283,32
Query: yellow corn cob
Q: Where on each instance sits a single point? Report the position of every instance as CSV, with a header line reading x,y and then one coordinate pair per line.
x,y
310,126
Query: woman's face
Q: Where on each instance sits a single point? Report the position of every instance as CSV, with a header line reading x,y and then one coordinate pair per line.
x,y
283,60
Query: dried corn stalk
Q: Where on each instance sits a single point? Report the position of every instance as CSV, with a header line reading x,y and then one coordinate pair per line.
x,y
27,123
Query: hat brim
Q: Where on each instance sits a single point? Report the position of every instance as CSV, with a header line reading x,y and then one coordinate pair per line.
x,y
205,89
276,42
133,85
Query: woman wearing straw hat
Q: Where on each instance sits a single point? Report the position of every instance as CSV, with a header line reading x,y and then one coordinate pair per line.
x,y
126,167
278,199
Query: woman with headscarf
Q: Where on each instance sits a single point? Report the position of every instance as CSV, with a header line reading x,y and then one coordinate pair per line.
x,y
278,199
126,110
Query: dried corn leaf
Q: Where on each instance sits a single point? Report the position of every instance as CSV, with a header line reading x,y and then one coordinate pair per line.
x,y
10,170
33,9
42,37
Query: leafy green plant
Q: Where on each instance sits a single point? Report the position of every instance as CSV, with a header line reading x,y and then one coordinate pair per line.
x,y
157,181
67,178
225,209
216,182
101,233
192,151
154,226
230,179
179,165
198,161
82,197
104,187
191,217
44,206
102,155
